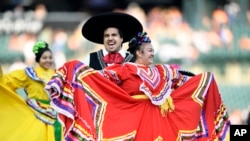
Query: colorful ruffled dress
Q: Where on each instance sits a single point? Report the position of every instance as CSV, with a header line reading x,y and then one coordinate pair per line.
x,y
31,118
131,102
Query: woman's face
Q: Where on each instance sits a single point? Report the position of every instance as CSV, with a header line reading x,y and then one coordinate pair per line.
x,y
46,61
146,54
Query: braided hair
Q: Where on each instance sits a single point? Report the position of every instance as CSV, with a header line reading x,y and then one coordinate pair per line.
x,y
136,42
39,48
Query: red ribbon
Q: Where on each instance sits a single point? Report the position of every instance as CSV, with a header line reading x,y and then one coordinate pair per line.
x,y
113,58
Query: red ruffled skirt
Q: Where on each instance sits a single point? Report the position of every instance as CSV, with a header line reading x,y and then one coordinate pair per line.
x,y
93,108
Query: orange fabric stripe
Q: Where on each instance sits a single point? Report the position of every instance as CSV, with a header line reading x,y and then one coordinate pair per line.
x,y
140,96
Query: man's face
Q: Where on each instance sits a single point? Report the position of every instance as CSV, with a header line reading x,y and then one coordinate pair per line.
x,y
112,40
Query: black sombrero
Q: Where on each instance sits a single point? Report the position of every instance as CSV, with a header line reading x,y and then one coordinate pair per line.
x,y
94,27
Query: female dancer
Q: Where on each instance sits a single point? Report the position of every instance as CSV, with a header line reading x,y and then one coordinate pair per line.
x,y
31,118
137,101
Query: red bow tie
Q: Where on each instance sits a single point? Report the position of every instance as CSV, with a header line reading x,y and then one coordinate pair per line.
x,y
113,58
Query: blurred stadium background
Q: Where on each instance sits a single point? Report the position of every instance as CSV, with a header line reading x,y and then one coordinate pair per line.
x,y
199,35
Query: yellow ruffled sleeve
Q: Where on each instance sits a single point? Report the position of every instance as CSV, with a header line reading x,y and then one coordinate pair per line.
x,y
15,79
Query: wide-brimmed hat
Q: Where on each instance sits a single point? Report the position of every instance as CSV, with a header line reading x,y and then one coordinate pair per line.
x,y
94,27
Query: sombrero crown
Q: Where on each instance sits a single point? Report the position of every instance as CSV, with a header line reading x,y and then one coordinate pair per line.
x,y
94,27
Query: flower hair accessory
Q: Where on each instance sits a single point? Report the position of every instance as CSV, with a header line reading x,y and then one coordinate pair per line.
x,y
140,38
39,45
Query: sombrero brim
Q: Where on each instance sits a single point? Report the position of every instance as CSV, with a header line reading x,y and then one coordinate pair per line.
x,y
93,29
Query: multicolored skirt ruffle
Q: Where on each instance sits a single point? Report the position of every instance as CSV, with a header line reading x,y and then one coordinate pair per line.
x,y
93,108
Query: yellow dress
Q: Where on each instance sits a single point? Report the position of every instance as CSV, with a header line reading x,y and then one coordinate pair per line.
x,y
18,120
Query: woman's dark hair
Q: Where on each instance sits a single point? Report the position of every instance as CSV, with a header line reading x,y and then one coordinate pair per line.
x,y
136,42
39,48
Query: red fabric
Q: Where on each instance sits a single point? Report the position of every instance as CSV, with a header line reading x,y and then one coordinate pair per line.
x,y
124,115
71,115
115,58
104,111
